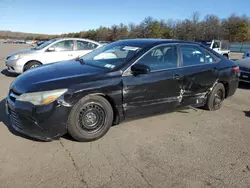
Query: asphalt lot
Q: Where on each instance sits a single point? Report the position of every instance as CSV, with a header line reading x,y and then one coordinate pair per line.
x,y
189,148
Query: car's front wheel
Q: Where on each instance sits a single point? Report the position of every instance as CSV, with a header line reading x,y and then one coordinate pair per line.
x,y
216,97
90,118
31,65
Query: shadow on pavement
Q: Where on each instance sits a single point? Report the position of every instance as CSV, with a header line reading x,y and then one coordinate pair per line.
x,y
244,85
5,120
247,113
68,137
5,72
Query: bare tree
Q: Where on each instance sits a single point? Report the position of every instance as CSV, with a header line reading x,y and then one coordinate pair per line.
x,y
233,28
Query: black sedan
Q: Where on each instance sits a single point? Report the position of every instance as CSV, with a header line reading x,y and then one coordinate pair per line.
x,y
244,65
122,80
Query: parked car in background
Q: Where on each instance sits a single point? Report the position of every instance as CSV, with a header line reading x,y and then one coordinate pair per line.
x,y
87,95
221,47
19,42
246,54
244,66
31,42
54,50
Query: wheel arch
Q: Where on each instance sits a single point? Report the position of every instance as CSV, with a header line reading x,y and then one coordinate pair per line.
x,y
226,86
31,61
117,113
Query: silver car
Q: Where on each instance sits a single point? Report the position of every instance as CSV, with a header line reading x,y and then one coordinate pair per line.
x,y
59,49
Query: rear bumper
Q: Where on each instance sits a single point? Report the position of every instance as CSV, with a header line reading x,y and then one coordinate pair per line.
x,y
232,87
45,123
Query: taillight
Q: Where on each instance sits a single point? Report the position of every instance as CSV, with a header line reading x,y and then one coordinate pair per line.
x,y
236,69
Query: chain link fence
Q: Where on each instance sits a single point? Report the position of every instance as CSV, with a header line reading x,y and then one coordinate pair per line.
x,y
240,47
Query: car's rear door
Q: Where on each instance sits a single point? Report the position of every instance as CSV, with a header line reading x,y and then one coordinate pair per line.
x,y
199,72
157,91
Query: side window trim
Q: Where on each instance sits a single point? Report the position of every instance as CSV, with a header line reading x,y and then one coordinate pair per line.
x,y
127,72
75,45
217,59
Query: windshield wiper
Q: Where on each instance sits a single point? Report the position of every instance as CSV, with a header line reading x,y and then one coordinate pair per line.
x,y
79,59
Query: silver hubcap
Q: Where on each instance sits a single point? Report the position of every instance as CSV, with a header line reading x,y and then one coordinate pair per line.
x,y
34,66
90,118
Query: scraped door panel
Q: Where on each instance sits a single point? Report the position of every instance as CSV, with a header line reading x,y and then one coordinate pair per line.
x,y
200,73
150,93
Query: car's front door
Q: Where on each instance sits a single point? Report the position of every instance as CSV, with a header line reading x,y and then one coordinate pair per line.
x,y
61,51
199,72
156,91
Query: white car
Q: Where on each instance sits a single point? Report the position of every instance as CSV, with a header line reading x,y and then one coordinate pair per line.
x,y
59,49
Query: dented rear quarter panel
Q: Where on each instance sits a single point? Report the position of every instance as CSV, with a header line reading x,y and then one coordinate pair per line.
x,y
228,77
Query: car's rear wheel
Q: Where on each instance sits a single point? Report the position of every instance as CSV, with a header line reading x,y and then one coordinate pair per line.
x,y
31,65
90,119
216,97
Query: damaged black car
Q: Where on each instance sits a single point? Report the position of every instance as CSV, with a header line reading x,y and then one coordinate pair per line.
x,y
122,80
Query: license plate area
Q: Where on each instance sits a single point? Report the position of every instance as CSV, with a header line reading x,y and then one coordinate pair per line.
x,y
244,75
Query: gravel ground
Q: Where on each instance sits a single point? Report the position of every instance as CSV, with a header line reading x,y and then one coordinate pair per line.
x,y
189,148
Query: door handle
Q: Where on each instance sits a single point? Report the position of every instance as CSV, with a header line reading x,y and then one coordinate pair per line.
x,y
70,54
177,77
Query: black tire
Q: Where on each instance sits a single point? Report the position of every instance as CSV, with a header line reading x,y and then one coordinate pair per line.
x,y
31,65
216,97
84,112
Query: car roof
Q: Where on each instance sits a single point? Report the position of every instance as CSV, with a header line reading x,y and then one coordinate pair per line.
x,y
71,38
151,41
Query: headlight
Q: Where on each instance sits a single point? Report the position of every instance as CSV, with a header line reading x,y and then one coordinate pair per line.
x,y
41,98
18,56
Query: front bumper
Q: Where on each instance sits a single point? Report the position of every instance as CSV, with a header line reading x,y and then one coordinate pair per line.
x,y
14,66
244,76
47,122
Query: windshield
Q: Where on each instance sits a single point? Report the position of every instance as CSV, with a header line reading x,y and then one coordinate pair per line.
x,y
112,55
45,44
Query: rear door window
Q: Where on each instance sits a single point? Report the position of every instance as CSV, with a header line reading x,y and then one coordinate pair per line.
x,y
193,55
84,45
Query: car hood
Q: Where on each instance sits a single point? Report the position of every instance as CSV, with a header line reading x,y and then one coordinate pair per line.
x,y
26,51
244,62
55,76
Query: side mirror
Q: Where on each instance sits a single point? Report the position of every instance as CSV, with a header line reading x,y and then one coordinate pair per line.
x,y
51,49
140,69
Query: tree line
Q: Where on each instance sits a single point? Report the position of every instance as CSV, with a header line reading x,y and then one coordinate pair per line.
x,y
234,28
